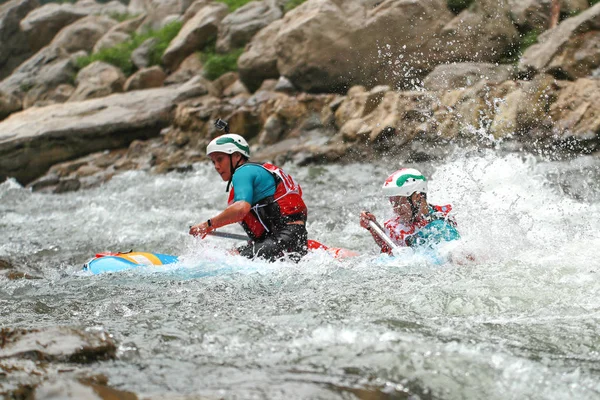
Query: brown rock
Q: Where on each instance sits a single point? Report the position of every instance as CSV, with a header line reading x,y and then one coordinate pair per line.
x,y
189,68
194,35
99,79
241,25
14,47
28,139
573,36
577,109
83,34
57,344
460,75
259,60
146,78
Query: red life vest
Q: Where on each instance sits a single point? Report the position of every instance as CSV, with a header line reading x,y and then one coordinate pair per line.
x,y
272,213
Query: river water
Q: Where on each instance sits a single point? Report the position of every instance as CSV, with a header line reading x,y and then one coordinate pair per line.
x,y
521,321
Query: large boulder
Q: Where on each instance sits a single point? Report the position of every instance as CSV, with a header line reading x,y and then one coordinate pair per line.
x,y
535,14
141,57
194,35
49,68
570,50
99,79
157,11
33,140
382,116
576,111
239,27
259,60
146,78
14,47
459,75
323,45
314,46
42,24
483,32
83,34
189,68
193,9
521,108
119,33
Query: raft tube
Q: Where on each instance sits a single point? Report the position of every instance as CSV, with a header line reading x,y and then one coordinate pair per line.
x,y
114,262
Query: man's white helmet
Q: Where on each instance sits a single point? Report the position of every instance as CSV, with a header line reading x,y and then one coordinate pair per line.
x,y
405,182
228,144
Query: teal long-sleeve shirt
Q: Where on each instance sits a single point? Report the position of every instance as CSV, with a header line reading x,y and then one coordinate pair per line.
x,y
252,183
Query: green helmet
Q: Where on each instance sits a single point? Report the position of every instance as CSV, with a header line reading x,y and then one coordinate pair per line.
x,y
229,144
405,182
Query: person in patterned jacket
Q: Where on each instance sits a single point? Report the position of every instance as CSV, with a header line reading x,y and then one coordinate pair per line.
x,y
415,221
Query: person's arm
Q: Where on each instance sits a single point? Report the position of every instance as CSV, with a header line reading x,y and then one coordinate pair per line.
x,y
232,214
365,217
244,181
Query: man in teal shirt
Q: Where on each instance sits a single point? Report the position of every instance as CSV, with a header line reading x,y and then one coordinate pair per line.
x,y
263,198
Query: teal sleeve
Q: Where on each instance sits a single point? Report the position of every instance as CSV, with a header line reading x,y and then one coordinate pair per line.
x,y
252,183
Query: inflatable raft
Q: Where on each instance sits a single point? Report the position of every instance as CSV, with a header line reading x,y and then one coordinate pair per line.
x,y
115,262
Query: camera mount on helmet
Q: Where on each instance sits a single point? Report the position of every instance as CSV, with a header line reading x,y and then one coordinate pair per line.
x,y
222,125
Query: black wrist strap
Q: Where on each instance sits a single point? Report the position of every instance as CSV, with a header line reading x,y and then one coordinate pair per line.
x,y
209,223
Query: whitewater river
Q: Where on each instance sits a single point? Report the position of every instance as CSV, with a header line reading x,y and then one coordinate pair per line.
x,y
520,322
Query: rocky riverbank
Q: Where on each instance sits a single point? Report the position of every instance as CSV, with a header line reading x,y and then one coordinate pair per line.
x,y
323,82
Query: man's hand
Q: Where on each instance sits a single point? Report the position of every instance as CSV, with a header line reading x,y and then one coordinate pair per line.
x,y
201,230
365,217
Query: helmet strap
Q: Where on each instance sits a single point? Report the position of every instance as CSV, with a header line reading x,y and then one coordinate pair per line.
x,y
232,169
414,208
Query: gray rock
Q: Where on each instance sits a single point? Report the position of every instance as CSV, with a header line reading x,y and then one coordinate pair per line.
x,y
194,35
557,48
14,47
57,344
258,63
140,57
483,32
145,78
42,24
119,33
459,75
9,104
189,68
83,34
50,66
156,11
98,79
535,14
285,86
239,27
75,129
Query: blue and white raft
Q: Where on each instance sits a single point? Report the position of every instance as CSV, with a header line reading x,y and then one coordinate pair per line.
x,y
114,262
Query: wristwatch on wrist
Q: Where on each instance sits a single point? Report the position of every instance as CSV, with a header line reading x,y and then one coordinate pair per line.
x,y
209,223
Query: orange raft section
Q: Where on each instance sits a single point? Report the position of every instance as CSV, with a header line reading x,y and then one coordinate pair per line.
x,y
336,252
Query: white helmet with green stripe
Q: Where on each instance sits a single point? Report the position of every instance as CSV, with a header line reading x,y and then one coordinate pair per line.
x,y
229,144
405,182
